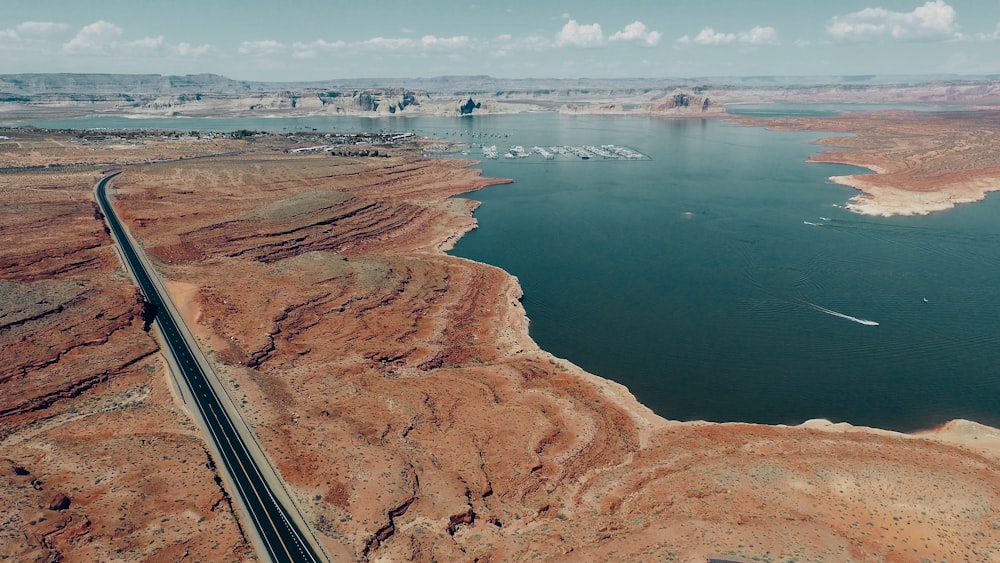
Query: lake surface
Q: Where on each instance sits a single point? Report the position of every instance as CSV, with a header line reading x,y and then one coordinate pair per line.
x,y
720,279
697,280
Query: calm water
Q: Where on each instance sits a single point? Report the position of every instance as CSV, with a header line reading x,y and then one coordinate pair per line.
x,y
695,278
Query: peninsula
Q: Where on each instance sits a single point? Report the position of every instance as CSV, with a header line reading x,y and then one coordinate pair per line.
x,y
924,161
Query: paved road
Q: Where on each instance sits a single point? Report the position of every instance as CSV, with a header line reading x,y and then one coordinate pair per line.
x,y
278,533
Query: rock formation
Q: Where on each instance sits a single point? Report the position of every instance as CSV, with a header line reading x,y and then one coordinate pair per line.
x,y
468,107
99,462
675,104
679,102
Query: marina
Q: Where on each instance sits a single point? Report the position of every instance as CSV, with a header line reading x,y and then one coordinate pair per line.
x,y
560,152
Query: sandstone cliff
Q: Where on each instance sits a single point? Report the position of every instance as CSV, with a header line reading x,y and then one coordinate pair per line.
x,y
679,102
675,104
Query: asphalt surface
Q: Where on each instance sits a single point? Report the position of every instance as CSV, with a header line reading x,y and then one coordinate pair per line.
x,y
280,536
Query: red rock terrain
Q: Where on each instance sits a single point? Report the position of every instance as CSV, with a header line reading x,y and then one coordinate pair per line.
x,y
397,391
924,161
96,461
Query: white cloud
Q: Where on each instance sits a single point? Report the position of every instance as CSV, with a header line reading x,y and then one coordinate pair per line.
x,y
188,50
933,21
575,35
506,44
758,35
146,45
320,44
636,31
310,50
313,48
98,37
457,41
387,43
995,36
40,28
709,36
261,47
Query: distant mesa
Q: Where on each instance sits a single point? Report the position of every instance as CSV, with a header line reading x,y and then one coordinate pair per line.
x,y
675,103
27,96
684,102
387,100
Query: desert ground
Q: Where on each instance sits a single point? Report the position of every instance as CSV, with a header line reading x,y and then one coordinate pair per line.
x,y
394,387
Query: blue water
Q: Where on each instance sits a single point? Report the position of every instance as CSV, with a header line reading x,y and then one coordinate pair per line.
x,y
695,279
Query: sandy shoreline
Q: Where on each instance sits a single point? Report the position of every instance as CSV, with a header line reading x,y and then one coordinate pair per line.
x,y
887,201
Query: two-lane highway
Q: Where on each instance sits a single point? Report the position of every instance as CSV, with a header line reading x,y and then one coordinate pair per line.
x,y
280,537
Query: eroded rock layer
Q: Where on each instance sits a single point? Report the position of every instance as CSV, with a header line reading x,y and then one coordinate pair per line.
x,y
97,463
397,391
399,395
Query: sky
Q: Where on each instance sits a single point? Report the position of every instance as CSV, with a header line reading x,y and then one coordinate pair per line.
x,y
304,40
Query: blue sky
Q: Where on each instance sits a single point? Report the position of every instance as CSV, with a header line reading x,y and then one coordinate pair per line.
x,y
330,39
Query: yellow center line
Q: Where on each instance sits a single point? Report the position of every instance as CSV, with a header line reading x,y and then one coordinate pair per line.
x,y
123,240
250,482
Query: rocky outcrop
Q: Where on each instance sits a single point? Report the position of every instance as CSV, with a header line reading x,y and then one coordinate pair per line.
x,y
59,501
366,101
468,107
53,319
923,162
115,84
675,104
683,103
88,426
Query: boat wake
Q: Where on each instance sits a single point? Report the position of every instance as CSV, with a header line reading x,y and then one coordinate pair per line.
x,y
821,309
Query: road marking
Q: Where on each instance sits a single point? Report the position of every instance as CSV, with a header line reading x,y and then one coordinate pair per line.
x,y
171,335
250,482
